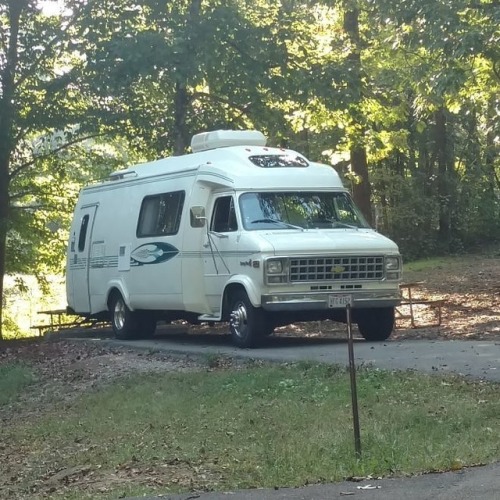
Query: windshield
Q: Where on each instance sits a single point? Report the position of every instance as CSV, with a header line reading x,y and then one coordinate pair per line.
x,y
300,210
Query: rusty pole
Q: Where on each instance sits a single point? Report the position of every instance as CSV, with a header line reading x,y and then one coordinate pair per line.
x,y
354,394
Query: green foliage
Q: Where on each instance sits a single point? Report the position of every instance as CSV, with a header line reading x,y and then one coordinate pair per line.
x,y
406,212
11,329
44,197
200,65
14,378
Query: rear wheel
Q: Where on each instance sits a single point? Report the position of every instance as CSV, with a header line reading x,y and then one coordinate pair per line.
x,y
124,321
376,324
129,324
247,323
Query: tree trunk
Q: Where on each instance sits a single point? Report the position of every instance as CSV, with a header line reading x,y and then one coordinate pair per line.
x,y
359,163
7,142
4,222
491,151
443,185
180,111
362,191
182,97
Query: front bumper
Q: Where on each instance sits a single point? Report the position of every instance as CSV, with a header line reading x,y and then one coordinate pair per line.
x,y
313,301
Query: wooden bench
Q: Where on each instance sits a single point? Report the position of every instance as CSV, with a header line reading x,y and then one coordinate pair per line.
x,y
411,301
56,321
44,328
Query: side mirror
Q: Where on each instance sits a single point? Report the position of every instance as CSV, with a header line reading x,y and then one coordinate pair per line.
x,y
197,216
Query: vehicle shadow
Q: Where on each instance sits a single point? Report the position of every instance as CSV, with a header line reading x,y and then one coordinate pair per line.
x,y
216,337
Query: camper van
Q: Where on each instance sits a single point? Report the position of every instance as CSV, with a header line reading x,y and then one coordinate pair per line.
x,y
236,231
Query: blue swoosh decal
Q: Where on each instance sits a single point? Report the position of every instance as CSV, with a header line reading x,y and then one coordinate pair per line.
x,y
153,253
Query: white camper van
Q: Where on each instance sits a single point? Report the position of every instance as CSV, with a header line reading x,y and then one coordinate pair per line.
x,y
236,231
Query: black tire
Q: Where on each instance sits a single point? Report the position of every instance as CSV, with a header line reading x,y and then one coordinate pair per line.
x,y
247,323
376,324
146,324
267,329
125,322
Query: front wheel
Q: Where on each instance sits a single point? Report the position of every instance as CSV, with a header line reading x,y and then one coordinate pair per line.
x,y
247,323
376,324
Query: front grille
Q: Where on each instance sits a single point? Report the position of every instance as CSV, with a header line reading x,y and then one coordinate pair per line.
x,y
336,268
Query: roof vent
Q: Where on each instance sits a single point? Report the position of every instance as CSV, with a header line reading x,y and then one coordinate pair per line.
x,y
122,174
225,138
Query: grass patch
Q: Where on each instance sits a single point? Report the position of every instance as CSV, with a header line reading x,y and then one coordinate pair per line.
x,y
431,263
14,377
451,262
263,427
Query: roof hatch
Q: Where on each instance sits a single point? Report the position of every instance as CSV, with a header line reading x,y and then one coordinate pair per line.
x,y
278,161
225,138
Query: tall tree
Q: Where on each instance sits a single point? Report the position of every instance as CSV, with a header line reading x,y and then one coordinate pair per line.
x,y
170,69
359,161
10,15
440,56
38,99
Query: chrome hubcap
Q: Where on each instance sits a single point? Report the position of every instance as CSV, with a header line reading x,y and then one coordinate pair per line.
x,y
119,314
238,319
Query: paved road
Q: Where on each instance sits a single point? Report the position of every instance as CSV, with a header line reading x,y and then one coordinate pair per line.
x,y
474,359
480,483
471,358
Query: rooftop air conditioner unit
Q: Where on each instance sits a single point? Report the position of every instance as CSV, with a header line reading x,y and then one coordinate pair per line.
x,y
225,138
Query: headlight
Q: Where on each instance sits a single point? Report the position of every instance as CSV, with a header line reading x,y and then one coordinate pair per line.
x,y
276,271
392,268
274,267
392,263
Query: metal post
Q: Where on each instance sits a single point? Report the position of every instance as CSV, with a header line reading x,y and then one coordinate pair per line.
x,y
411,306
354,394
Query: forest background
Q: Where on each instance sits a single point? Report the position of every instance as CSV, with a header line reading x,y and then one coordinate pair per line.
x,y
401,96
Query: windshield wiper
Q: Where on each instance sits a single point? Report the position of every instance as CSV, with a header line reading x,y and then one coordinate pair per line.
x,y
343,224
276,221
334,223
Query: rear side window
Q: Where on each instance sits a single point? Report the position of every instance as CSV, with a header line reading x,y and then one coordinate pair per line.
x,y
83,233
160,214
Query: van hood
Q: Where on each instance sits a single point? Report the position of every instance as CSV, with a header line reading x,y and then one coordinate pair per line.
x,y
352,241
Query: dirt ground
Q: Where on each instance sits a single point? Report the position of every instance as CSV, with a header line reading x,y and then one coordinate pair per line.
x,y
469,288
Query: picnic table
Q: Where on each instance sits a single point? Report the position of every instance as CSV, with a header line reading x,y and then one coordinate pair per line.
x,y
60,319
408,299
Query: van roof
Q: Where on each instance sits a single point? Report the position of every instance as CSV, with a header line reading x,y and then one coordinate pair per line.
x,y
240,167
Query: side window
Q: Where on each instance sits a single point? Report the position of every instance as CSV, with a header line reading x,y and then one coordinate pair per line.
x,y
345,212
83,233
224,215
160,214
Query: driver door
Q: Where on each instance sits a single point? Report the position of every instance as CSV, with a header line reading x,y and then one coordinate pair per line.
x,y
220,249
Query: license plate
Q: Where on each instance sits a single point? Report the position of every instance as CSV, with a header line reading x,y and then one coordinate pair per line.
x,y
339,300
